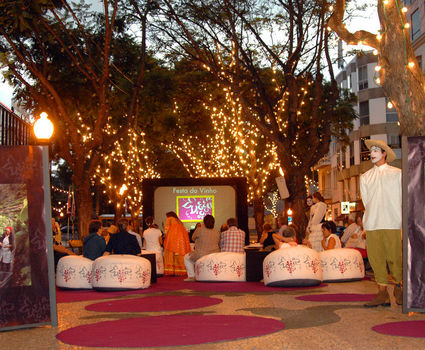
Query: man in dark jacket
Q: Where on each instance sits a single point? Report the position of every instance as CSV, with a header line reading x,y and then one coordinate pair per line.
x,y
94,244
122,242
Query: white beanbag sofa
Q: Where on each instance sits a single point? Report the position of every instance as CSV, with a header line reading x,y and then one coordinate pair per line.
x,y
297,266
342,265
221,267
121,271
74,272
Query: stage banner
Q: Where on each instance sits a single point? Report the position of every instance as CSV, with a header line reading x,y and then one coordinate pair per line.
x,y
414,224
27,294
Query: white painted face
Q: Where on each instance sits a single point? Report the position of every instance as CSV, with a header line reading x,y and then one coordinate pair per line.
x,y
376,154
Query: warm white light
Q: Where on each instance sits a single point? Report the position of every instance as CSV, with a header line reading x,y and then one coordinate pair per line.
x,y
407,25
43,127
404,9
378,81
390,105
331,8
375,52
123,189
289,212
281,172
411,64
377,68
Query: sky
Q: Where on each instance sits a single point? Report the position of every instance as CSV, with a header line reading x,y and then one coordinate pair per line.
x,y
368,22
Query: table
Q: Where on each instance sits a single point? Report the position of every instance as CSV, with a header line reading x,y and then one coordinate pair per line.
x,y
152,259
254,263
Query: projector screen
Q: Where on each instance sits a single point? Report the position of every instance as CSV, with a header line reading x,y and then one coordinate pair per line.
x,y
192,199
192,203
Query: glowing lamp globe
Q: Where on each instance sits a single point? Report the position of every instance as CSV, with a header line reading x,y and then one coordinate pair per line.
x,y
43,127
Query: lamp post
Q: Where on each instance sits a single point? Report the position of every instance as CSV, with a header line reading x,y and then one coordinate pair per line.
x,y
43,129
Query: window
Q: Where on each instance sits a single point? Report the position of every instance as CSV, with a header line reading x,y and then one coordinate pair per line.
x,y
390,113
351,153
394,141
364,151
363,78
364,113
349,82
416,25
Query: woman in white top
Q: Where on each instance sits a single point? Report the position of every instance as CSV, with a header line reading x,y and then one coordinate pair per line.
x,y
152,236
314,235
6,249
330,240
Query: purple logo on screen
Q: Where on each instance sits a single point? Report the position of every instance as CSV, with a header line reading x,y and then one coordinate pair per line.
x,y
194,208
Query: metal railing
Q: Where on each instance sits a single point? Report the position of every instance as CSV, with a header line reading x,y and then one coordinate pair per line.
x,y
13,129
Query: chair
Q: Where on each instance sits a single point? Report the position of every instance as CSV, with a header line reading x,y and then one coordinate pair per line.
x,y
221,267
120,272
342,265
297,266
74,272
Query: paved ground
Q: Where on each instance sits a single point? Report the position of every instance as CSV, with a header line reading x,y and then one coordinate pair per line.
x,y
308,325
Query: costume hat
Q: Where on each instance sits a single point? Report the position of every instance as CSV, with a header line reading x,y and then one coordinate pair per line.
x,y
391,156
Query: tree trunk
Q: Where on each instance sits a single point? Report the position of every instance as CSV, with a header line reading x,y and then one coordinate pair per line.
x,y
297,190
259,216
84,204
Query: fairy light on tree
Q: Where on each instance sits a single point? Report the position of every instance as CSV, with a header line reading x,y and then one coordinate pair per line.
x,y
123,170
399,73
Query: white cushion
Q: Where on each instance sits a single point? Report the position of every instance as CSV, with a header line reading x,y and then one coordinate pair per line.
x,y
221,267
159,261
341,265
74,272
292,267
120,271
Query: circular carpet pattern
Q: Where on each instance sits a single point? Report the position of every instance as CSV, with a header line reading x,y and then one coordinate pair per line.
x,y
415,329
342,297
168,330
154,303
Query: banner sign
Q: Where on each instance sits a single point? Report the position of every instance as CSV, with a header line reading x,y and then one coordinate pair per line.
x,y
194,208
27,296
414,226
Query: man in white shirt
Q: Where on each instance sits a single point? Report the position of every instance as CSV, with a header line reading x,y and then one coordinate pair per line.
x,y
380,189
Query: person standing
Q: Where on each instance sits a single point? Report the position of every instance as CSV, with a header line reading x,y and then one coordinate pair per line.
x,y
314,234
206,239
152,236
380,188
176,245
6,249
233,239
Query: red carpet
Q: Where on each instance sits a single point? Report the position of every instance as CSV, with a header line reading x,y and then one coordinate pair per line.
x,y
70,296
154,303
336,297
168,283
169,330
415,329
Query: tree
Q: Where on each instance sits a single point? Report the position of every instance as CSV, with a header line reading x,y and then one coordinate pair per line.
x,y
234,148
123,170
84,69
269,56
400,75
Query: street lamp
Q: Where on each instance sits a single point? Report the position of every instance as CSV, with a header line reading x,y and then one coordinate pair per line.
x,y
289,212
43,128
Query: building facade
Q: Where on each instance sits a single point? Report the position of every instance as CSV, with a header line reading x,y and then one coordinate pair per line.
x,y
339,172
